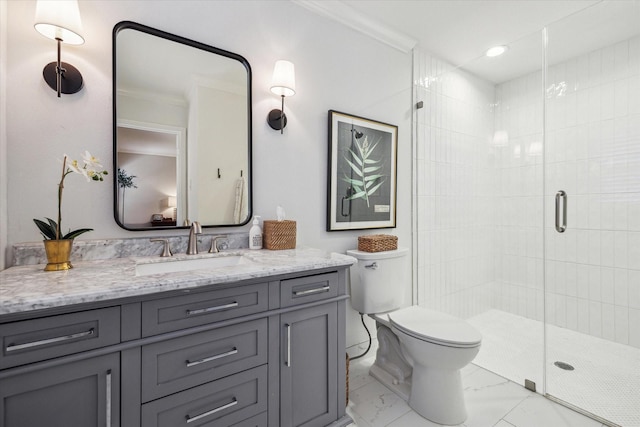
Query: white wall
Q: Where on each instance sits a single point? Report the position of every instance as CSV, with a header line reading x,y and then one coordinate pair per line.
x,y
3,133
336,68
155,181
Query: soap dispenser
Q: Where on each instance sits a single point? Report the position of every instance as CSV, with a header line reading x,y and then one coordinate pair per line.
x,y
255,234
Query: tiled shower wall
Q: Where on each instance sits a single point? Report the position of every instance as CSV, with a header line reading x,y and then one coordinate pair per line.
x,y
593,153
479,166
454,188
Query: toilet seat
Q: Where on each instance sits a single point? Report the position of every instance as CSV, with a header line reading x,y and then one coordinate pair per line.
x,y
435,327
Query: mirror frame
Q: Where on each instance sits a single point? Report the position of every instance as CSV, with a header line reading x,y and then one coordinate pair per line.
x,y
123,25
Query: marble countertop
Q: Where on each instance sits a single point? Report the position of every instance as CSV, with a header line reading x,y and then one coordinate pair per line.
x,y
29,287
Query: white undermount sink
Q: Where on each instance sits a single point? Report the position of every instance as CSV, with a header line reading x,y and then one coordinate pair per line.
x,y
178,265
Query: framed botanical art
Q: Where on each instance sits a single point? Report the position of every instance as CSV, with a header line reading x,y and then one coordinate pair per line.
x,y
361,188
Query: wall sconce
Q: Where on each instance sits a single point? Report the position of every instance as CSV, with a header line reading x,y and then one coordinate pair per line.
x,y
283,83
60,21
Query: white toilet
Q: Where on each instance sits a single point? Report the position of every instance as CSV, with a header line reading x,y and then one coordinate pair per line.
x,y
420,351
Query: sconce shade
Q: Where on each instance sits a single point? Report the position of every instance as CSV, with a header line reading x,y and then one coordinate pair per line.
x,y
283,82
59,20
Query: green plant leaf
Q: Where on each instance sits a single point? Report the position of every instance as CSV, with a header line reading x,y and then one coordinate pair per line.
x,y
360,150
372,169
372,177
76,233
357,195
354,167
47,231
353,181
355,157
373,190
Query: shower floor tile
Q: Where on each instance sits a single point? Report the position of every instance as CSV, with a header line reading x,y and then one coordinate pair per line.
x,y
606,376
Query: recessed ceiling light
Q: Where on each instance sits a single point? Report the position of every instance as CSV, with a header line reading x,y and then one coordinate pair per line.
x,y
496,51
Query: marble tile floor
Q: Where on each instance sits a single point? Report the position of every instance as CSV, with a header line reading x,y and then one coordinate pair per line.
x,y
492,401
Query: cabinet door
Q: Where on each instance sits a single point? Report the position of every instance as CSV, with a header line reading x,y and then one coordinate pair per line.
x,y
308,370
84,393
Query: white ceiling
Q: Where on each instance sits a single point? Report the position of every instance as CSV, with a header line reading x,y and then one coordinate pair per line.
x,y
460,31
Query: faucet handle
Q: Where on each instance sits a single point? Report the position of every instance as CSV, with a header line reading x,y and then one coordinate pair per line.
x,y
214,243
166,251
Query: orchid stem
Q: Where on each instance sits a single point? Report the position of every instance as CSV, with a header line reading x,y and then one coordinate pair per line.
x,y
60,188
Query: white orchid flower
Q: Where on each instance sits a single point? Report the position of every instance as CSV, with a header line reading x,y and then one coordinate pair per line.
x,y
91,162
92,170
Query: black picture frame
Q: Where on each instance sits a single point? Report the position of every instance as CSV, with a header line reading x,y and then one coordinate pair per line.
x,y
362,173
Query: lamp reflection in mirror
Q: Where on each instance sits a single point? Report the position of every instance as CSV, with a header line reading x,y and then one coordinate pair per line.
x,y
283,83
171,203
60,21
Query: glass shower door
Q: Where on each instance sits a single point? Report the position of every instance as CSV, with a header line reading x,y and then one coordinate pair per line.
x,y
592,212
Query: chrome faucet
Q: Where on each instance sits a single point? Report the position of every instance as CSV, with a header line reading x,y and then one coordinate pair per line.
x,y
214,244
192,247
166,250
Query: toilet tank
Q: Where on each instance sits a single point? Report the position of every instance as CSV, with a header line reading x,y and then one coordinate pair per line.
x,y
378,280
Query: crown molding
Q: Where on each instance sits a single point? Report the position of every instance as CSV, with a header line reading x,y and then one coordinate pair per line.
x,y
346,15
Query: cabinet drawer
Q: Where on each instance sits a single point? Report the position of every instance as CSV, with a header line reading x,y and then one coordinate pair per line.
x,y
33,340
181,363
220,403
260,420
171,314
308,289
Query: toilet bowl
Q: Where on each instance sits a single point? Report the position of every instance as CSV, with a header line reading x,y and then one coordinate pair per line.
x,y
420,351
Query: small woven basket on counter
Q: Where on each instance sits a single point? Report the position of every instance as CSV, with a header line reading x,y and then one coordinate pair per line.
x,y
277,235
377,243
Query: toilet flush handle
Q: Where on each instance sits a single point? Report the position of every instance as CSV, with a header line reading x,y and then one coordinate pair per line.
x,y
373,266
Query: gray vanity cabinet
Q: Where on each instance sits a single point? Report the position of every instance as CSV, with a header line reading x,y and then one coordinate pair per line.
x,y
76,393
46,385
309,344
308,375
251,353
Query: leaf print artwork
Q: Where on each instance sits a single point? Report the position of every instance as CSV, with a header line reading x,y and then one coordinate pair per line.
x,y
365,177
362,173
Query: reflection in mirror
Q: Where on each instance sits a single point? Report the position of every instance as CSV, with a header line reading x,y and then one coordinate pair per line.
x,y
182,131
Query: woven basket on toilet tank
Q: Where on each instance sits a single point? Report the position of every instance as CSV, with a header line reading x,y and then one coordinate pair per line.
x,y
377,243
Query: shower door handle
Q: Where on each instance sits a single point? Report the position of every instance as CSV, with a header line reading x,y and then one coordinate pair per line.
x,y
561,199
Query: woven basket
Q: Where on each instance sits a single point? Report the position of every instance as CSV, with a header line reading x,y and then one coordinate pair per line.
x,y
347,382
377,243
279,235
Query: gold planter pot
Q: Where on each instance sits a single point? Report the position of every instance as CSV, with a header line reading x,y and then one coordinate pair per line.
x,y
58,254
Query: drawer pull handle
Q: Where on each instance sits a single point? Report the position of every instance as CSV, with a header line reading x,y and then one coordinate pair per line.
x,y
14,347
212,309
312,291
213,411
209,359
